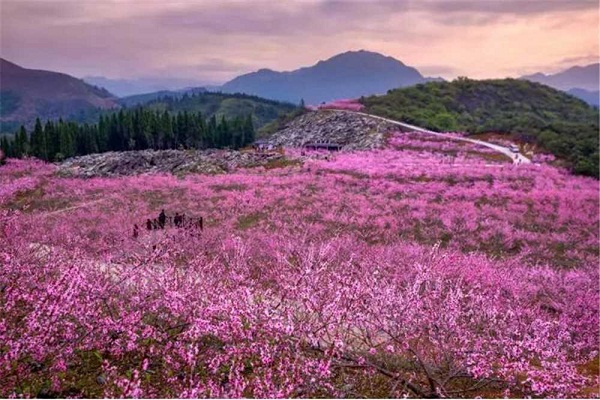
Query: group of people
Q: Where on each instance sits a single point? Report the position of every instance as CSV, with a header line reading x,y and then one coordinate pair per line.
x,y
179,221
157,223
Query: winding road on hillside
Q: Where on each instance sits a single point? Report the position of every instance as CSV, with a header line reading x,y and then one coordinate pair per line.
x,y
517,158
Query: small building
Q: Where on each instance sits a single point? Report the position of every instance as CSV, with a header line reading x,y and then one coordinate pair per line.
x,y
323,146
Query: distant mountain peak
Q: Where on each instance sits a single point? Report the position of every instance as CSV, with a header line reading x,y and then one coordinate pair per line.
x,y
266,71
346,75
45,94
582,77
360,56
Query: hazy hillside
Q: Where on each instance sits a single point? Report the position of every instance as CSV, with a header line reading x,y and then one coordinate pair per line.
x,y
346,75
27,94
575,77
130,87
262,110
139,99
591,97
562,124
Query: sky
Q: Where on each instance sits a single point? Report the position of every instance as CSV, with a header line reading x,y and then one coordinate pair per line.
x,y
214,41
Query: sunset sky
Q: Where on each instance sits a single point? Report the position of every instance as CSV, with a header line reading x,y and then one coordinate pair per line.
x,y
213,41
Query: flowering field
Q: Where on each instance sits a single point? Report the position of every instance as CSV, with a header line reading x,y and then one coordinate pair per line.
x,y
380,274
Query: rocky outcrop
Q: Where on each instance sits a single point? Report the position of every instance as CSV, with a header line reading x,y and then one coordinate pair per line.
x,y
163,161
352,131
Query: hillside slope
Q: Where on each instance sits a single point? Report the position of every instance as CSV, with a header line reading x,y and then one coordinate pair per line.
x,y
143,98
231,106
346,75
592,97
558,122
132,87
26,94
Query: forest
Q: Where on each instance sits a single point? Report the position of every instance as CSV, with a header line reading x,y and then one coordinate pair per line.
x,y
135,129
529,112
214,103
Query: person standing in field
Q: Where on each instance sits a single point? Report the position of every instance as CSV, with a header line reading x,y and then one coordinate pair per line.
x,y
162,218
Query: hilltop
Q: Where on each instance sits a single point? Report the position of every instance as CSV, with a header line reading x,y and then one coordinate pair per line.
x,y
217,104
530,112
27,94
350,74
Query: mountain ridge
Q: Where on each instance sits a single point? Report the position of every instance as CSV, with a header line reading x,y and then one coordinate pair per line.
x,y
27,94
350,74
581,77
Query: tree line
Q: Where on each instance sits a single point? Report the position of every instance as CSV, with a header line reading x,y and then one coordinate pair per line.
x,y
135,129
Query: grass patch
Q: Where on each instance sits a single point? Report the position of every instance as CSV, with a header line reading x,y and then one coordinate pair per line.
x,y
229,188
282,163
250,221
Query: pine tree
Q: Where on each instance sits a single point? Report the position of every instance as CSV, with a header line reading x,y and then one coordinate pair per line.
x,y
52,140
6,147
249,134
103,134
38,141
167,130
115,137
24,148
66,142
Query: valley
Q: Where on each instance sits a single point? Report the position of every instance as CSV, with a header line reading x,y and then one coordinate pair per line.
x,y
315,276
299,199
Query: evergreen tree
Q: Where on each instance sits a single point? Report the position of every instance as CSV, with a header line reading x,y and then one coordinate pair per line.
x,y
166,124
38,141
6,147
116,141
66,141
19,144
52,140
249,134
103,134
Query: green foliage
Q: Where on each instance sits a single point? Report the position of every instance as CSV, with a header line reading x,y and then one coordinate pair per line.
x,y
556,121
220,105
135,129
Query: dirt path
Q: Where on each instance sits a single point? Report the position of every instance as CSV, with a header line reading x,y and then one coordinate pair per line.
x,y
517,158
89,203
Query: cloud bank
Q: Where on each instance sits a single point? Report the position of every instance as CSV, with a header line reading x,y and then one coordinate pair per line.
x,y
214,41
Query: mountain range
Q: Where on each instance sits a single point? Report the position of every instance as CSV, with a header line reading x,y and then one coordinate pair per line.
x,y
579,81
28,93
586,77
130,87
347,75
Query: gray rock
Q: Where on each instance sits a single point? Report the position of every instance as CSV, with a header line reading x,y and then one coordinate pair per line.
x,y
352,131
163,161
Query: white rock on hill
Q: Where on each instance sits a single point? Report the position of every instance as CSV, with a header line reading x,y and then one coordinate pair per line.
x,y
163,161
352,131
